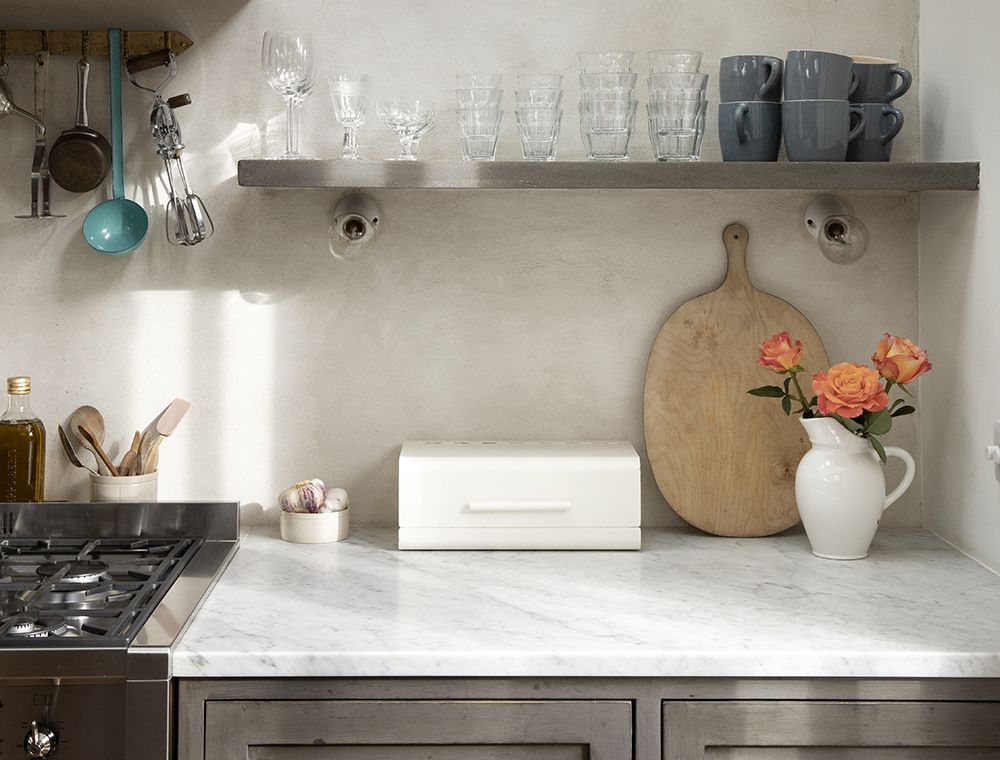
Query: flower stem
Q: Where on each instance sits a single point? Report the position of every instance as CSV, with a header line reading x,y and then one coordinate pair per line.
x,y
802,397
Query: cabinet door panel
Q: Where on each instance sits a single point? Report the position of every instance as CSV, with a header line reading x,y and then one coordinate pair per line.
x,y
465,752
831,730
595,730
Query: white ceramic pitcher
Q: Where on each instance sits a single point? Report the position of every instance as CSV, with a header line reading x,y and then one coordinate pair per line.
x,y
840,489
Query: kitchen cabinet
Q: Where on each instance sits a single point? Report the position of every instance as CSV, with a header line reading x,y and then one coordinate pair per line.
x,y
598,175
588,718
418,729
781,730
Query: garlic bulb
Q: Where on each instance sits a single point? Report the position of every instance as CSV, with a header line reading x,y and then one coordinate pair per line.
x,y
304,496
336,500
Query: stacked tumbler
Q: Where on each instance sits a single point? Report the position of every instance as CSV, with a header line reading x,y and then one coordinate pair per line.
x,y
677,104
479,114
538,110
607,104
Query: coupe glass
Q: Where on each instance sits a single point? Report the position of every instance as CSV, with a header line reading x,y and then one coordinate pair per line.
x,y
290,67
410,120
349,93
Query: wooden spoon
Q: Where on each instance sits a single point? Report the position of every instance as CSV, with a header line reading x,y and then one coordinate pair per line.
x,y
90,418
96,444
71,452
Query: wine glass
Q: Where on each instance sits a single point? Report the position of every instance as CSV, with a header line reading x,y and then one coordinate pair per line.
x,y
350,105
410,120
290,67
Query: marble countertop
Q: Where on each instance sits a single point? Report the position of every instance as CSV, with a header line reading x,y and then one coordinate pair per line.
x,y
686,605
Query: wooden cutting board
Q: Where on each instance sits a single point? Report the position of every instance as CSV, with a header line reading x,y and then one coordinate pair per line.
x,y
725,460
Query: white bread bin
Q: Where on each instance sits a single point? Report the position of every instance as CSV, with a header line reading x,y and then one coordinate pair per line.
x,y
518,495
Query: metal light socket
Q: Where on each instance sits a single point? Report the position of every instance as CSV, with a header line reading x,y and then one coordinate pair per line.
x,y
352,233
841,236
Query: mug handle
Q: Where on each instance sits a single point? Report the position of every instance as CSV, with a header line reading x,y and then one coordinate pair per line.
x,y
739,116
854,82
905,80
773,74
857,108
911,470
897,123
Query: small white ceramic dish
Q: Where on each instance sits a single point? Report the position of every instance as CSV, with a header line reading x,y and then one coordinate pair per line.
x,y
318,528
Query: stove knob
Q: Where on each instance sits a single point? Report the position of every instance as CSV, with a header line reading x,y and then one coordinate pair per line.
x,y
40,741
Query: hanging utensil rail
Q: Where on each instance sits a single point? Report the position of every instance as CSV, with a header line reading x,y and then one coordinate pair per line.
x,y
70,42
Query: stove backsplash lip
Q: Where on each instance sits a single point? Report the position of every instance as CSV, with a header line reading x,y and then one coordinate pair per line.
x,y
211,521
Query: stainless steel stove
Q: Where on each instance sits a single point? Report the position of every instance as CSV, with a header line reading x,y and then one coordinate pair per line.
x,y
92,598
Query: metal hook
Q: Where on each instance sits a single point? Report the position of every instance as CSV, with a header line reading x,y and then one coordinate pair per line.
x,y
45,41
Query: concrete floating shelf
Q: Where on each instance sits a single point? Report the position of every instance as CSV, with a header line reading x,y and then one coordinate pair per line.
x,y
590,175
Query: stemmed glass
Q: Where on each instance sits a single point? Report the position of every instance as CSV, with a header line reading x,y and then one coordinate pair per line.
x,y
410,120
290,67
349,93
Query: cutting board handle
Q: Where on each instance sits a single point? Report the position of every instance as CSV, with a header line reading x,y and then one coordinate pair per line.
x,y
735,238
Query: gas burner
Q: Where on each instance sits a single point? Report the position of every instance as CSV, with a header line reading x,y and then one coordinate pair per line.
x,y
30,627
80,570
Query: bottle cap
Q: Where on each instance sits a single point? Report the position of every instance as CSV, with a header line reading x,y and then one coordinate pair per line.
x,y
18,386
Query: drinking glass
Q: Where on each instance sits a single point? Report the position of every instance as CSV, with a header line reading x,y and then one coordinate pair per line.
x,y
607,81
606,61
479,128
539,81
538,96
606,127
538,127
676,128
480,81
673,60
677,80
290,67
410,120
349,93
479,97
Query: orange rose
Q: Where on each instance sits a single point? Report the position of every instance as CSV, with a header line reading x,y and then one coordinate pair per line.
x,y
779,353
899,359
848,389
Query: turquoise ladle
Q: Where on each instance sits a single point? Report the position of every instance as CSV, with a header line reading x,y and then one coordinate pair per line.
x,y
117,226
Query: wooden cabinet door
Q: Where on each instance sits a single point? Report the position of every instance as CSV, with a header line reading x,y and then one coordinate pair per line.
x,y
831,730
418,730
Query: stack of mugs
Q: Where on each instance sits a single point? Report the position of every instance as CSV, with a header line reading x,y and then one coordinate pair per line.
x,y
750,108
607,104
874,92
480,98
817,118
539,115
677,104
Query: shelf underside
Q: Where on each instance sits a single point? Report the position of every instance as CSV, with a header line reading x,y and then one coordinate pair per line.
x,y
591,175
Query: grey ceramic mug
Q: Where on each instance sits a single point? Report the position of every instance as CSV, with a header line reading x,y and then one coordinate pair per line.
x,y
882,124
815,75
750,77
819,130
877,80
750,131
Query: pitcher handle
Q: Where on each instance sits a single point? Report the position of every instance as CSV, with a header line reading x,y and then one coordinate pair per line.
x,y
911,470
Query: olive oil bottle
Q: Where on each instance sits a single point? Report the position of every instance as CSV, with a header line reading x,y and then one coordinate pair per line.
x,y
22,446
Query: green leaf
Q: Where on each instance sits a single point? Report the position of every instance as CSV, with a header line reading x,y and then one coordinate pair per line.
x,y
903,410
813,400
880,423
848,423
878,448
798,368
905,390
788,382
767,391
786,404
896,403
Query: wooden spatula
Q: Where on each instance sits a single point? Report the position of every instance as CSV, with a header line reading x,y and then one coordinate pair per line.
x,y
162,426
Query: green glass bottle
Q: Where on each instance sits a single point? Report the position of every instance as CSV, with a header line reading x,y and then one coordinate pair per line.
x,y
22,446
